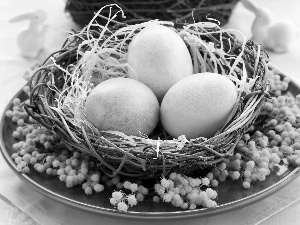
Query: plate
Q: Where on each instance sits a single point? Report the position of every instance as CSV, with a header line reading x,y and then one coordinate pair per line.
x,y
231,194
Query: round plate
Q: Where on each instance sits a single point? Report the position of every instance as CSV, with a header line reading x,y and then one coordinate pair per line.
x,y
231,194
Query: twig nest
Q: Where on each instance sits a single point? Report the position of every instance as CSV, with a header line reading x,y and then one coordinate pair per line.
x,y
198,105
59,91
122,104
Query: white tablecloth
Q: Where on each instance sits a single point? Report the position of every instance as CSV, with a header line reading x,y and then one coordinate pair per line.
x,y
19,204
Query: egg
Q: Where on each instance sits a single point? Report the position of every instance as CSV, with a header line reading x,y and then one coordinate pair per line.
x,y
198,105
158,57
122,104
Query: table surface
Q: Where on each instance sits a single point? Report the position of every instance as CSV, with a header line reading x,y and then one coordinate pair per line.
x,y
20,204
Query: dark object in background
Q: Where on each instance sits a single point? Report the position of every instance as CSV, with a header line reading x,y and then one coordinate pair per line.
x,y
82,11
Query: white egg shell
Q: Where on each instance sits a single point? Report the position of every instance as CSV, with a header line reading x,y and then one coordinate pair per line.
x,y
198,105
158,57
122,104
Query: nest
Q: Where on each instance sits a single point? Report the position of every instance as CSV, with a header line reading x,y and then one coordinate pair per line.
x,y
96,53
169,10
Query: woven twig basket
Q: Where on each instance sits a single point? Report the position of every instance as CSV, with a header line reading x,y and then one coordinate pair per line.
x,y
82,11
147,157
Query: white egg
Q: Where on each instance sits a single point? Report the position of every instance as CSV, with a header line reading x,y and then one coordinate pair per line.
x,y
122,104
158,57
198,105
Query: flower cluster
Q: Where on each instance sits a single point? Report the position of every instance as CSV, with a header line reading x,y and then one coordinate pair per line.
x,y
277,139
277,85
185,192
33,149
123,201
